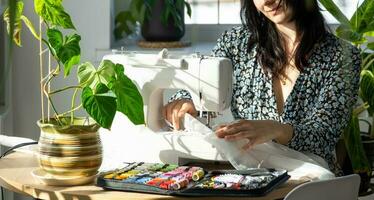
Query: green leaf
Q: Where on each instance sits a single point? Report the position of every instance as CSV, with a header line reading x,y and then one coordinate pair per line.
x,y
30,26
165,16
55,39
86,75
366,88
177,20
371,46
106,71
367,61
369,34
69,53
66,50
188,6
129,100
122,22
354,147
148,9
99,105
363,19
179,4
17,25
335,12
69,63
150,3
89,76
53,11
12,7
142,14
348,34
135,8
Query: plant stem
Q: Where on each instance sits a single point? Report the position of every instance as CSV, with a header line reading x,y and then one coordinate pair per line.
x,y
360,109
72,106
49,98
367,65
54,108
66,88
49,84
41,68
365,60
74,109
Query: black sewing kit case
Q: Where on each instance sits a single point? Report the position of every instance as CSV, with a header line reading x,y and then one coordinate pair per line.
x,y
176,180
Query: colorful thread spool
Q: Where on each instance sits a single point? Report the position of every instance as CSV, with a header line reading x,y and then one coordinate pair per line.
x,y
121,176
143,180
169,168
197,175
180,184
156,167
155,181
166,184
109,176
219,185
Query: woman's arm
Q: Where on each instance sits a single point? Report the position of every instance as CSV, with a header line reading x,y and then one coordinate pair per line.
x,y
320,130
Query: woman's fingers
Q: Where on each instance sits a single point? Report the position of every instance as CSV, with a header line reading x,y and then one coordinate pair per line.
x,y
175,111
256,131
242,129
249,144
238,136
169,110
233,128
241,123
176,117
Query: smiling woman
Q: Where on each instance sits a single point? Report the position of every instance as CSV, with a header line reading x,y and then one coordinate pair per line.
x,y
294,82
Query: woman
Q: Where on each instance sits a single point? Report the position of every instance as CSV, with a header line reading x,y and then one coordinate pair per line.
x,y
294,82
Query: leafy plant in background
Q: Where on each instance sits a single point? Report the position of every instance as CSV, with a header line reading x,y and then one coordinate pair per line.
x,y
141,10
105,90
357,30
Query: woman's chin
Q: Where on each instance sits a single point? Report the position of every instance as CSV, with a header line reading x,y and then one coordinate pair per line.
x,y
278,20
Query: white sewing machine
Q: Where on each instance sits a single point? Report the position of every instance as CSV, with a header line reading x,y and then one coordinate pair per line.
x,y
209,81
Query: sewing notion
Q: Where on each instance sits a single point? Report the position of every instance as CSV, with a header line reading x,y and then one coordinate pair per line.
x,y
191,180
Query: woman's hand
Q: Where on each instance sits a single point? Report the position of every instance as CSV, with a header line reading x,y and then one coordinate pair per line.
x,y
256,131
175,110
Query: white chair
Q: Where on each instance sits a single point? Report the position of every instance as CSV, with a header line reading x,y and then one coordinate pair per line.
x,y
342,188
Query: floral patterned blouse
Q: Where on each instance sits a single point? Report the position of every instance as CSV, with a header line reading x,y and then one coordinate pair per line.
x,y
320,103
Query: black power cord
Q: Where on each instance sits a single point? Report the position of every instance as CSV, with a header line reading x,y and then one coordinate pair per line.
x,y
7,152
16,147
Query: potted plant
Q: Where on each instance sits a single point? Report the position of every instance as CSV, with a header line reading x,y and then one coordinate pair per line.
x,y
160,20
358,30
70,145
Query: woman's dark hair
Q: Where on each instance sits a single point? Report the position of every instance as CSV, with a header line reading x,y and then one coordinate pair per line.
x,y
310,28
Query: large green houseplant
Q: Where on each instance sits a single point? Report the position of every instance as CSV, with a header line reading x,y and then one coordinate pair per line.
x,y
358,30
105,90
76,149
159,19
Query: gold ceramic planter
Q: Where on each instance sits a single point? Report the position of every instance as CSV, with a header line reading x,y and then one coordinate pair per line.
x,y
73,150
